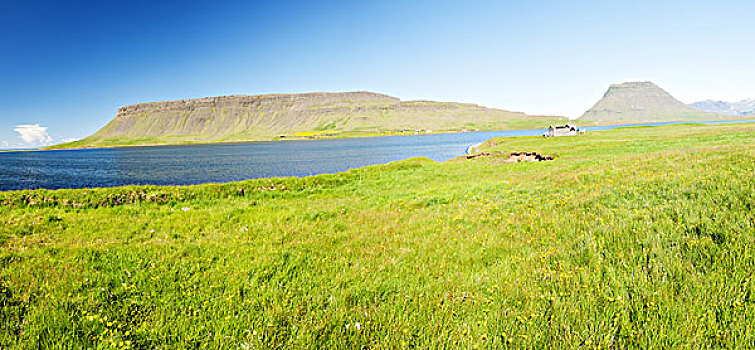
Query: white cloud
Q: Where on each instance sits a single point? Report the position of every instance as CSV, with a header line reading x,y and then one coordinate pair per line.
x,y
33,134
5,144
72,139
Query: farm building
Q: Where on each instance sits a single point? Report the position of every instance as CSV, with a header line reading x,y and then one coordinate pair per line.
x,y
565,130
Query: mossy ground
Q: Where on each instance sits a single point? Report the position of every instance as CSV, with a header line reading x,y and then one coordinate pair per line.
x,y
631,238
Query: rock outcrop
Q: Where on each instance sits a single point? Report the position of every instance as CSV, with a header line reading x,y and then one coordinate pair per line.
x,y
513,157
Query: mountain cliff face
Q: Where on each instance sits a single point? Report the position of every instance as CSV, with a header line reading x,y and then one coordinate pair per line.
x,y
743,108
268,117
640,102
226,117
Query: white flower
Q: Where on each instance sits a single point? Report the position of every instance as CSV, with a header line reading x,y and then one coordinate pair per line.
x,y
357,326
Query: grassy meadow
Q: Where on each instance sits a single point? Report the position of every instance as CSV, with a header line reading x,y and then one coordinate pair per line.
x,y
632,238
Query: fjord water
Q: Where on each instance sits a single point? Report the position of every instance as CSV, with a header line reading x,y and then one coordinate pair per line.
x,y
195,164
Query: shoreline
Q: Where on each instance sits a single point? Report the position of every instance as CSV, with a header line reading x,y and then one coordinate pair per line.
x,y
466,151
280,139
371,134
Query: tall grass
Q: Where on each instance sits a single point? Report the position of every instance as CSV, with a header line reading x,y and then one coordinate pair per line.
x,y
631,238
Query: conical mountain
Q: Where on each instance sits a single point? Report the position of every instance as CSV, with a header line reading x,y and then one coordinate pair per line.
x,y
641,102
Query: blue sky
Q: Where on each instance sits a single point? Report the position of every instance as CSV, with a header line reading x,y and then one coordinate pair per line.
x,y
66,67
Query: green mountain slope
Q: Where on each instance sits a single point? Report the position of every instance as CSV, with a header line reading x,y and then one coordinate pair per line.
x,y
642,102
270,117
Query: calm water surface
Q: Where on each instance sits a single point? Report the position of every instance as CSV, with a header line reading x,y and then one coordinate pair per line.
x,y
185,165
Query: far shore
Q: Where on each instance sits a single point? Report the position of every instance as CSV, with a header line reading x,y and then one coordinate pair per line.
x,y
351,134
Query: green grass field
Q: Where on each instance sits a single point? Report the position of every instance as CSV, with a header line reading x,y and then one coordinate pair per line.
x,y
631,238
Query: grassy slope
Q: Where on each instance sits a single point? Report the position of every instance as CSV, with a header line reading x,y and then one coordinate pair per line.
x,y
702,116
639,237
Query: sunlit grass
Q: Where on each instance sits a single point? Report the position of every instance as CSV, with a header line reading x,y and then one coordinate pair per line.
x,y
631,238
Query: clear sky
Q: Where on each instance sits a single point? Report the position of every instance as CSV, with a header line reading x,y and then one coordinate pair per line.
x,y
66,66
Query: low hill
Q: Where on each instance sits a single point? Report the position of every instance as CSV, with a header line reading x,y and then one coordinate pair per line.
x,y
270,117
641,102
741,108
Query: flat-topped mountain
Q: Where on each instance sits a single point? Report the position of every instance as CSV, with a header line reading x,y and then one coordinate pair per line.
x,y
743,108
269,117
640,102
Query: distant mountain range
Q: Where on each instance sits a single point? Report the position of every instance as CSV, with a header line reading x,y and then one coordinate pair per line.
x,y
641,102
346,114
743,108
295,116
